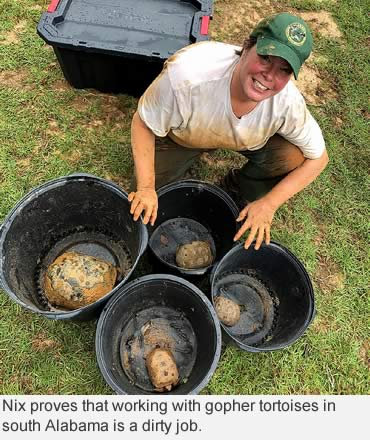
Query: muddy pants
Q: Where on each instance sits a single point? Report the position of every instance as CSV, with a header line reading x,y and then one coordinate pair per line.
x,y
264,169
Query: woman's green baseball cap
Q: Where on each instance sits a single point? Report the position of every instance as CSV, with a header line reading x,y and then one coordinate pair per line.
x,y
284,35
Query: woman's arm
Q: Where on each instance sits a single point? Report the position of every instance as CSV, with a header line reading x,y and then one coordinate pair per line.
x,y
144,199
258,215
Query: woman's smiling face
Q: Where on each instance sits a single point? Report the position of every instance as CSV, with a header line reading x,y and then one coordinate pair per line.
x,y
261,76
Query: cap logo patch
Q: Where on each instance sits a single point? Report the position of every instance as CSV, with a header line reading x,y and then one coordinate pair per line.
x,y
296,33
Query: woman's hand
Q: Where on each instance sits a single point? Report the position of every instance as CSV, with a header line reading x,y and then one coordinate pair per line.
x,y
258,217
144,201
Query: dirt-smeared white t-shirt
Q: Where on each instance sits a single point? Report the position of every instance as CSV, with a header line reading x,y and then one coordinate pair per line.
x,y
190,102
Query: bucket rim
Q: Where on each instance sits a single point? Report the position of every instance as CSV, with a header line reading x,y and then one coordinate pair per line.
x,y
191,183
310,315
44,187
124,291
40,190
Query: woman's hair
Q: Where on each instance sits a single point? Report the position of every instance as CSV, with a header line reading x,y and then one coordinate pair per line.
x,y
248,43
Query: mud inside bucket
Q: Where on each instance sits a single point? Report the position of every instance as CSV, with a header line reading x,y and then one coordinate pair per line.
x,y
189,211
157,311
274,294
79,213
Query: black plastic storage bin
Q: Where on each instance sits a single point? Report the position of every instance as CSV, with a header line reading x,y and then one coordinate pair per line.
x,y
120,45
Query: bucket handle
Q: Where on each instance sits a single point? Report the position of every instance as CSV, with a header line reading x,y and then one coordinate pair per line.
x,y
81,175
313,315
144,242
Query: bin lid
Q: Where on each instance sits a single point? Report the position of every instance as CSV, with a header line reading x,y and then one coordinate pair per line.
x,y
155,28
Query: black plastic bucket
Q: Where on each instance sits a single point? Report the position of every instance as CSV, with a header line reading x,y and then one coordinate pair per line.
x,y
148,299
69,213
274,292
191,210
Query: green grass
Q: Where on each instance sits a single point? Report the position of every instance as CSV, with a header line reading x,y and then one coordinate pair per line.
x,y
48,130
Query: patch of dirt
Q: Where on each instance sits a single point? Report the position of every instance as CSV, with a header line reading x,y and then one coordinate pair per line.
x,y
14,79
312,87
61,86
12,37
328,276
110,106
81,104
25,383
24,163
110,112
36,8
214,162
51,391
42,343
73,157
54,130
364,353
323,23
92,125
320,325
217,166
50,67
321,233
310,391
39,147
338,122
233,20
